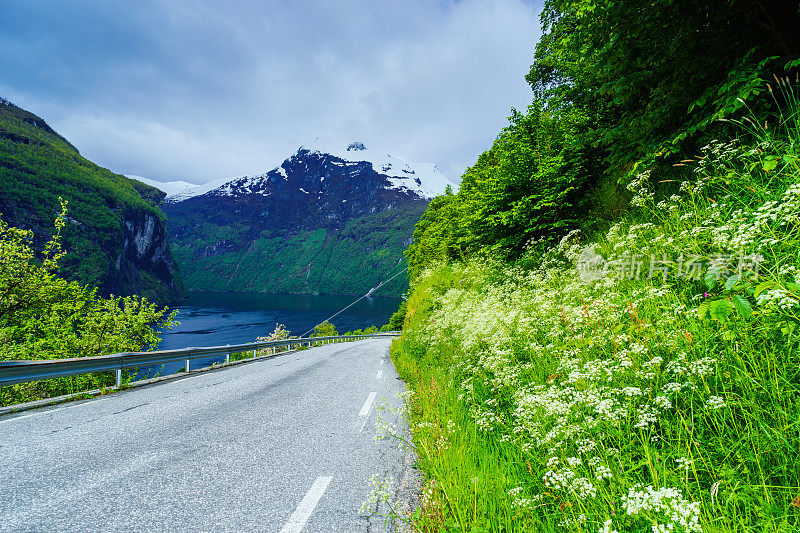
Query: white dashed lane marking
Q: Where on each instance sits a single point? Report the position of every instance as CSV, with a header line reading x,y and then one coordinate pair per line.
x,y
367,405
306,506
366,409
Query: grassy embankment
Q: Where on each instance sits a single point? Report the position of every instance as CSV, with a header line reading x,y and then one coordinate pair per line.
x,y
542,402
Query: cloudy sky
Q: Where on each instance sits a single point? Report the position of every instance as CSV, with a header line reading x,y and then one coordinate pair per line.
x,y
202,89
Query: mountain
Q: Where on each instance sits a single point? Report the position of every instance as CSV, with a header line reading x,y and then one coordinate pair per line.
x,y
116,236
324,221
169,188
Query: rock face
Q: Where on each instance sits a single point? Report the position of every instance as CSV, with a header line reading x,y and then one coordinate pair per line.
x,y
116,236
318,223
145,251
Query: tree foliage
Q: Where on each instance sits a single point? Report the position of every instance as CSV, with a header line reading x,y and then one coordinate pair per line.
x,y
326,329
398,318
520,190
43,316
617,87
637,78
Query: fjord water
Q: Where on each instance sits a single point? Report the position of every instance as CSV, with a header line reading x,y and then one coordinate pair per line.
x,y
218,318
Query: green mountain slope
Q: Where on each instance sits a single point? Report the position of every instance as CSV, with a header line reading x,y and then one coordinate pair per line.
x,y
116,237
328,261
319,223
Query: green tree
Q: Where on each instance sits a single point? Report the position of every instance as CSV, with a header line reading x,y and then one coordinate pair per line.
x,y
43,316
521,189
398,318
618,87
438,235
326,329
637,79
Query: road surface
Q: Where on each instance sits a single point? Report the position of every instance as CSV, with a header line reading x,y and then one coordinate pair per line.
x,y
284,444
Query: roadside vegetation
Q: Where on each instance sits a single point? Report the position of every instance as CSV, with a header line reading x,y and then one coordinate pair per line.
x,y
43,316
601,333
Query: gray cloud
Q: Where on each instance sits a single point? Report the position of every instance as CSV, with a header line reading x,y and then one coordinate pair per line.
x,y
197,90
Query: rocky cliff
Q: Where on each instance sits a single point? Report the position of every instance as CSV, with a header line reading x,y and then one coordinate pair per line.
x,y
116,237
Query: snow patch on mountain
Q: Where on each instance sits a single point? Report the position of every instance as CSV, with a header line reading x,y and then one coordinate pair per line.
x,y
170,187
420,179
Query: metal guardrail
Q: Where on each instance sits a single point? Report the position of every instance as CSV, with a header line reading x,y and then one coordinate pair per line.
x,y
13,372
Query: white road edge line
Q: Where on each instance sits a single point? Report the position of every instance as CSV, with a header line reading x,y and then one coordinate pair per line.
x,y
306,506
367,405
381,362
45,411
380,374
16,418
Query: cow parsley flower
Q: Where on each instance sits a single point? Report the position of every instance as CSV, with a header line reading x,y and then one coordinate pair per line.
x,y
715,402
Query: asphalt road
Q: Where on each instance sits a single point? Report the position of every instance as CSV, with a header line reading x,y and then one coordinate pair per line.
x,y
283,444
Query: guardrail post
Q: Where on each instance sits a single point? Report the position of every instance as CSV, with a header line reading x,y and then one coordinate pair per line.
x,y
119,377
187,365
227,357
254,354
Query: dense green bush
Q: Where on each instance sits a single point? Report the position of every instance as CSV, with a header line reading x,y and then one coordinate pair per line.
x,y
619,87
326,329
43,316
398,318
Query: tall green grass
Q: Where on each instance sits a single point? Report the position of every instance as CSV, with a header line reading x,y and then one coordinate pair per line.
x,y
550,399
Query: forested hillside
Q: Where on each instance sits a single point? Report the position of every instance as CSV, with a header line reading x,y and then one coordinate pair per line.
x,y
601,330
619,87
115,236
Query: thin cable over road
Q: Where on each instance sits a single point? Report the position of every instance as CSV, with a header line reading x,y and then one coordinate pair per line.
x,y
354,303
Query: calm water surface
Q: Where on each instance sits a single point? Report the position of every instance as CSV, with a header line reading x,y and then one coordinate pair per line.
x,y
216,319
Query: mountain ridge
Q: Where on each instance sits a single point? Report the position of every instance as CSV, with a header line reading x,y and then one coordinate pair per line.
x,y
115,238
317,223
424,179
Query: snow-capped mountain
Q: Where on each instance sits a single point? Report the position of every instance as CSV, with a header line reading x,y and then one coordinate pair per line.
x,y
423,180
322,221
171,188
